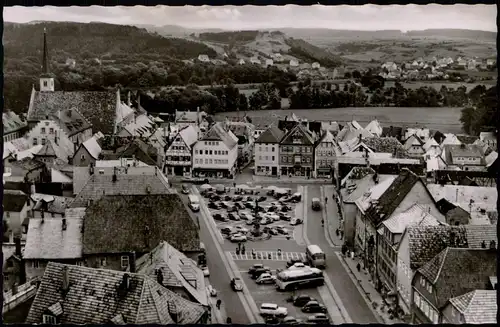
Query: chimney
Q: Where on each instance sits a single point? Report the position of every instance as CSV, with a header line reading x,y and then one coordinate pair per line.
x,y
64,224
65,279
33,188
483,245
131,261
43,216
159,277
126,282
114,178
17,241
493,245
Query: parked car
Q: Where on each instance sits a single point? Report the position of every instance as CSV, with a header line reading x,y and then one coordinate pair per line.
x,y
241,229
273,217
227,198
250,199
212,291
266,278
272,209
318,318
265,221
214,205
262,198
284,216
220,217
226,230
290,321
215,197
296,197
225,204
236,284
238,238
296,221
286,199
185,189
195,180
250,205
272,320
271,309
260,209
231,208
254,267
283,231
285,208
291,262
301,300
239,205
270,230
233,216
238,198
256,274
205,270
298,265
314,307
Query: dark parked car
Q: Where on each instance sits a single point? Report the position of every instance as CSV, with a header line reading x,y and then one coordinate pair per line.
x,y
249,198
300,300
314,307
284,216
226,230
286,208
239,205
270,230
220,217
250,205
214,205
227,198
262,198
215,197
254,267
238,198
290,321
319,318
231,208
272,209
233,216
260,209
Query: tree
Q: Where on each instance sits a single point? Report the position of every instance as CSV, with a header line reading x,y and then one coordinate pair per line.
x,y
356,74
347,75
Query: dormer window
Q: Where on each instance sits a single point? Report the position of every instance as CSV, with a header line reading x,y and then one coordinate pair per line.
x,y
45,83
49,319
43,130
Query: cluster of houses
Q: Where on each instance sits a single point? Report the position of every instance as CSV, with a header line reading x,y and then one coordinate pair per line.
x,y
434,68
90,221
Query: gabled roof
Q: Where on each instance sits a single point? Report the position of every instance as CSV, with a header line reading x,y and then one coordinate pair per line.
x,y
353,130
177,270
100,185
189,135
12,122
374,128
477,307
375,192
99,108
463,150
125,223
141,125
122,112
137,147
413,215
92,145
413,140
14,201
392,131
47,240
425,242
302,130
466,139
386,145
489,136
450,139
363,186
392,197
28,164
218,133
431,142
97,296
51,149
271,135
491,158
72,121
456,271
327,138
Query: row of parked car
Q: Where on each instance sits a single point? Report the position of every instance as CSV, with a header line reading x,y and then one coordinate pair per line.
x,y
273,313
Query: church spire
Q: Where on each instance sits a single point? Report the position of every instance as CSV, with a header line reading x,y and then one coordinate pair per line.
x,y
46,81
45,63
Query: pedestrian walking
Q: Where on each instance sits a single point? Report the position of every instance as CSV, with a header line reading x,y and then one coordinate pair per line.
x,y
358,267
344,249
337,232
341,234
229,320
234,185
322,222
219,302
326,200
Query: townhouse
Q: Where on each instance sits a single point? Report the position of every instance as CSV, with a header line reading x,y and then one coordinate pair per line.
x,y
16,205
179,153
463,156
216,152
297,152
325,155
267,152
14,127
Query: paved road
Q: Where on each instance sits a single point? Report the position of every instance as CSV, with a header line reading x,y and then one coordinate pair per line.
x,y
219,277
352,300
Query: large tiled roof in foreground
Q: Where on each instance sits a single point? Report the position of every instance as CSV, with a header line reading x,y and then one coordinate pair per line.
x,y
477,307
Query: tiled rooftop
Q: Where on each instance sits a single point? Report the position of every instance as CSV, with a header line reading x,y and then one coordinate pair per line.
x,y
414,215
98,296
99,108
46,238
218,133
375,192
53,203
177,270
51,149
189,135
374,127
271,135
386,145
425,242
461,195
477,307
124,223
456,271
72,121
357,173
100,185
12,122
28,164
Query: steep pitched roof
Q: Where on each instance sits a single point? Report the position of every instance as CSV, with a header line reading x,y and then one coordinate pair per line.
x,y
431,142
97,296
302,129
12,122
327,138
100,185
141,125
177,270
47,240
14,201
124,223
28,164
386,145
72,121
413,215
425,242
392,197
271,135
51,149
97,107
466,139
456,271
189,135
374,128
413,140
92,145
218,133
138,148
477,307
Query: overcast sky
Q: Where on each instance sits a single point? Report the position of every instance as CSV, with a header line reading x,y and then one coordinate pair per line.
x,y
367,17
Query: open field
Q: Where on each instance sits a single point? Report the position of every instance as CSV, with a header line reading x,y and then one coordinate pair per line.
x,y
446,120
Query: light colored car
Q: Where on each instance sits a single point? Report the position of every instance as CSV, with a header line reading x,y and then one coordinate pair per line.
x,y
266,278
205,270
212,291
241,229
295,221
236,284
272,216
298,265
238,238
271,309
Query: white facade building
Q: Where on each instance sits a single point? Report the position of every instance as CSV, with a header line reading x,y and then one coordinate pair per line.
x,y
266,152
216,153
325,156
179,153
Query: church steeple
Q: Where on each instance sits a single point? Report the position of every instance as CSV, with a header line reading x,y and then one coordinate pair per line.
x,y
46,81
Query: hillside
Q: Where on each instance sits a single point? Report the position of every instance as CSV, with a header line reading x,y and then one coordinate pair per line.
x,y
94,40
